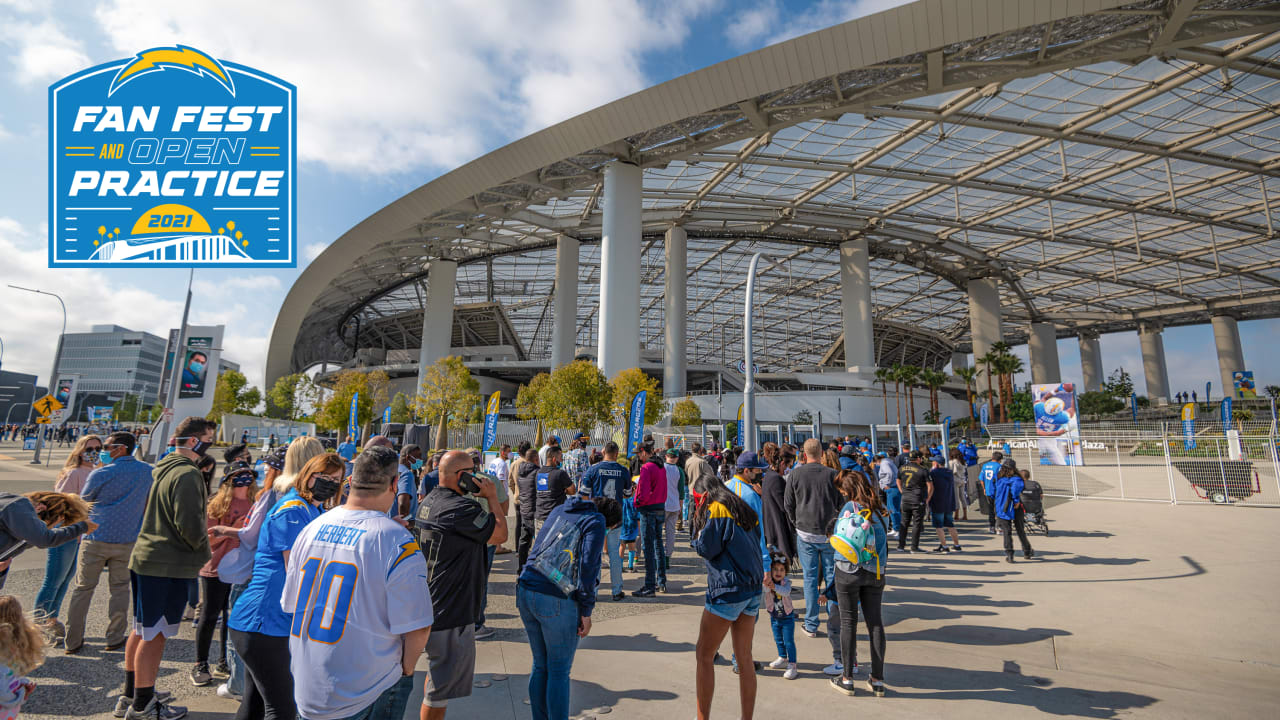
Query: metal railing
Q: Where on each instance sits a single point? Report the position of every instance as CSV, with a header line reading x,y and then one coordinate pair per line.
x,y
1155,462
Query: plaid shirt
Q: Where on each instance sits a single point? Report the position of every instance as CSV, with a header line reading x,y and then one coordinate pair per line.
x,y
575,463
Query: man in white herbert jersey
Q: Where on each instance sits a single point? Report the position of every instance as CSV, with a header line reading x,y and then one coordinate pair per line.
x,y
357,588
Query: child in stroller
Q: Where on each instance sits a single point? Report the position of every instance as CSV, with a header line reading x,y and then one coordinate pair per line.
x,y
1033,504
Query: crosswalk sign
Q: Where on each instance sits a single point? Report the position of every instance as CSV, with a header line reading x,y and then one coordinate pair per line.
x,y
47,405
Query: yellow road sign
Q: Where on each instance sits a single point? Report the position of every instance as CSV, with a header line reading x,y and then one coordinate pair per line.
x,y
43,420
47,404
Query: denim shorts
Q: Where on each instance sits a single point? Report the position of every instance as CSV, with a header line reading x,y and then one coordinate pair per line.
x,y
733,611
941,520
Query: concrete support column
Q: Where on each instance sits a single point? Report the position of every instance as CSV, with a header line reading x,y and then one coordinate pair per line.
x,y
676,305
564,326
437,316
1226,337
1151,339
1042,342
855,305
619,337
1091,362
959,360
984,323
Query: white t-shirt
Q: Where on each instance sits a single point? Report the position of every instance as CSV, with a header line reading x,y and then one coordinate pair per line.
x,y
673,487
364,584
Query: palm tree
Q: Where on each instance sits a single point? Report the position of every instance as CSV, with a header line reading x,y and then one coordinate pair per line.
x,y
987,362
1007,365
895,373
910,374
934,379
967,374
882,377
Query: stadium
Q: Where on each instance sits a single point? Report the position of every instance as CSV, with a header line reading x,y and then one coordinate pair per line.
x,y
921,183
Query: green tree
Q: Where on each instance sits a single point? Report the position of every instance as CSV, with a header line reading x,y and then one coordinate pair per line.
x,y
882,376
1099,403
1273,391
374,388
804,417
1118,384
448,392
400,412
895,374
1020,407
934,380
127,408
968,374
988,361
231,395
910,374
731,433
625,385
576,396
289,396
530,395
687,412
933,417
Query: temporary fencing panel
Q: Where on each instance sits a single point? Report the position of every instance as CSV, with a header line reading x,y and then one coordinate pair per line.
x,y
922,436
799,433
884,437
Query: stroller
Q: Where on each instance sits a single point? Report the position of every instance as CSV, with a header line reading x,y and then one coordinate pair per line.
x,y
1033,506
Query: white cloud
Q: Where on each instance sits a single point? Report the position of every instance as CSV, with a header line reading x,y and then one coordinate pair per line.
x,y
311,251
825,14
42,52
235,285
93,297
752,24
390,86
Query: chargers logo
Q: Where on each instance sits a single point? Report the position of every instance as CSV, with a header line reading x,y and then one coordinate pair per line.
x,y
172,158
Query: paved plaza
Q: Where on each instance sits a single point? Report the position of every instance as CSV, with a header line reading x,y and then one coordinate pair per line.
x,y
1131,610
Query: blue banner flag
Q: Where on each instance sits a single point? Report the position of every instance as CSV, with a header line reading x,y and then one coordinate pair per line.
x,y
984,414
490,422
1133,406
386,415
1189,426
353,426
742,431
1225,408
635,422
1206,391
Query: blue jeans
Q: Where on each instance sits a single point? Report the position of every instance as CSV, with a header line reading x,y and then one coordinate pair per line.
x,y
818,560
59,566
784,636
894,497
236,682
390,705
552,626
484,589
612,541
655,573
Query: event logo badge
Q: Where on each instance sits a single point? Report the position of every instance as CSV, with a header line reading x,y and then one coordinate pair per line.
x,y
172,159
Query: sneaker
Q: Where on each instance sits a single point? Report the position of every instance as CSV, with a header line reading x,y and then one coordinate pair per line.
x,y
1008,558
1029,554
484,631
843,685
645,592
876,687
941,549
189,613
778,663
221,671
957,548
892,534
156,710
662,588
993,529
834,668
200,675
810,633
124,702
619,596
224,691
791,673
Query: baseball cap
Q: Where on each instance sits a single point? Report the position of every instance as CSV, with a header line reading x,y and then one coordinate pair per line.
x,y
554,440
749,461
275,460
672,452
848,450
882,454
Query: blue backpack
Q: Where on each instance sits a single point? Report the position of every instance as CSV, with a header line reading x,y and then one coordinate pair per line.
x,y
855,539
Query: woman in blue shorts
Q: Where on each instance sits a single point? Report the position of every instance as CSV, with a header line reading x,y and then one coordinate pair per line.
x,y
727,535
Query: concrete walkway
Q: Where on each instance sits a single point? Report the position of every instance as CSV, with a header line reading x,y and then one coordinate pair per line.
x,y
1131,609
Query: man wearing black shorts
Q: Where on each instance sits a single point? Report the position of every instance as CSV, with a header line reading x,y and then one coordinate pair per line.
x,y
171,548
453,531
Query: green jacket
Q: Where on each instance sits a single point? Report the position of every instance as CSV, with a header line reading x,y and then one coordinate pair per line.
x,y
173,541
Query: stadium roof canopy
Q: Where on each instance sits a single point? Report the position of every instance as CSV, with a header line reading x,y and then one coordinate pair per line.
x,y
1110,162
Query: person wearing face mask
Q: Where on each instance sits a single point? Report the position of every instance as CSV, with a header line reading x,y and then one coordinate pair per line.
x,y
406,504
259,626
365,647
60,562
117,492
172,546
228,508
193,373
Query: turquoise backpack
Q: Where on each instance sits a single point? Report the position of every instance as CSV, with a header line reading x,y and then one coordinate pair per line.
x,y
855,539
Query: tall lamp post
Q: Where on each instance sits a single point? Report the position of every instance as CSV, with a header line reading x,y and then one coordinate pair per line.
x,y
749,391
52,379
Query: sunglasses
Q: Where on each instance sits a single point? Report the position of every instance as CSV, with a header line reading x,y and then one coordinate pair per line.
x,y
326,476
93,448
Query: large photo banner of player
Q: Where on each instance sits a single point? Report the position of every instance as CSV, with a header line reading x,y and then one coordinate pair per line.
x,y
195,367
1057,424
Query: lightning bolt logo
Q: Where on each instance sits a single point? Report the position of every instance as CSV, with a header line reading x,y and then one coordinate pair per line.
x,y
407,549
181,57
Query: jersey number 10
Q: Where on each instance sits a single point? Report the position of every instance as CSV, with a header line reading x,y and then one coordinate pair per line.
x,y
313,601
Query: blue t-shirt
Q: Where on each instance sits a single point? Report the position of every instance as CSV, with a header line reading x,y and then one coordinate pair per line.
x,y
347,451
429,483
987,474
607,479
258,609
406,485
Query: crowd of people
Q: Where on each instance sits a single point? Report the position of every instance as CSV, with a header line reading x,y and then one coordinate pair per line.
x,y
283,554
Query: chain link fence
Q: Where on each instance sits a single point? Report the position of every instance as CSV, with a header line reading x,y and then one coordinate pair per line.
x,y
1157,462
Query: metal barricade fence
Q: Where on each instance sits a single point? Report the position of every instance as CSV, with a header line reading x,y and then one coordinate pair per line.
x,y
1155,462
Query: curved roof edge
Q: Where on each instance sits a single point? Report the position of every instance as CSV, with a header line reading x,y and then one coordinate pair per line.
x,y
898,32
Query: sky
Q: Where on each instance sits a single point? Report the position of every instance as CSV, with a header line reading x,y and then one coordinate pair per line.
x,y
391,94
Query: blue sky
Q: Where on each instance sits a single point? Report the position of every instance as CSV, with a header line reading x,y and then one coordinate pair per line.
x,y
424,87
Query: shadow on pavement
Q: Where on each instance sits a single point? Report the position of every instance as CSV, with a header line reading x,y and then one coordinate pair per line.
x,y
976,635
1013,688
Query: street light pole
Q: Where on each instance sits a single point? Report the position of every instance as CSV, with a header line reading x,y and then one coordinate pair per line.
x,y
748,391
52,372
11,407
